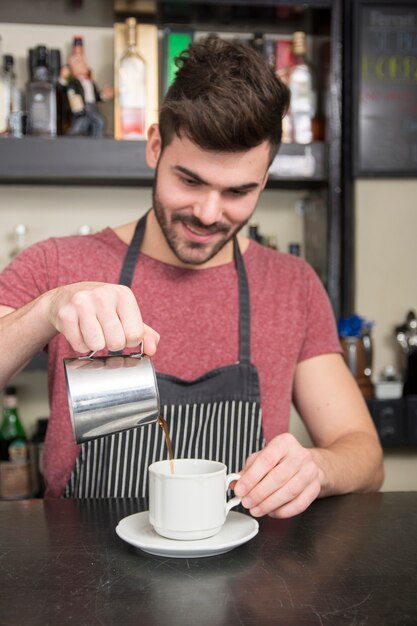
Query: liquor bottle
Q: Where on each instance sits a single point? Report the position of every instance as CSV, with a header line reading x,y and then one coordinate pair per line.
x,y
253,233
132,87
6,93
63,117
303,96
14,461
294,249
284,61
41,97
257,42
269,52
16,123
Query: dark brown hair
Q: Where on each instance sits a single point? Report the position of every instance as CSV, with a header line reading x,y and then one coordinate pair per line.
x,y
225,97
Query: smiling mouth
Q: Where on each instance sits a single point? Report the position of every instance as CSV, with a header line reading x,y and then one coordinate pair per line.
x,y
197,231
198,234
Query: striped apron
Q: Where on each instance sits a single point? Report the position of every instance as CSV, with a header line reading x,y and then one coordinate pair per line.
x,y
216,416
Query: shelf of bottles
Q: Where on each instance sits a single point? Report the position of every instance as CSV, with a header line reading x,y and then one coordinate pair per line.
x,y
58,116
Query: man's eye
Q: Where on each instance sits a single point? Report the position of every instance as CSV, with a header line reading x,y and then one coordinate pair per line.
x,y
190,182
238,192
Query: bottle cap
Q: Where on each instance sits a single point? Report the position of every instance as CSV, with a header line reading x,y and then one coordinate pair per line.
x,y
77,40
10,390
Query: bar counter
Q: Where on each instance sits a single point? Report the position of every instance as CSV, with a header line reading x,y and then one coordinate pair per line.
x,y
346,560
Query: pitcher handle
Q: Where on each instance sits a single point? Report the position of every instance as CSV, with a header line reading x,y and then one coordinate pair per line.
x,y
135,355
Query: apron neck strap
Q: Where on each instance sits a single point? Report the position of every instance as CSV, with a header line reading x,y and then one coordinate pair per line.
x,y
132,254
129,265
244,308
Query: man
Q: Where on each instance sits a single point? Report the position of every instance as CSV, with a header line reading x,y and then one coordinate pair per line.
x,y
243,330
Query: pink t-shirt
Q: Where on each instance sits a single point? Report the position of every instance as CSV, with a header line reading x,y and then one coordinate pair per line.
x,y
196,314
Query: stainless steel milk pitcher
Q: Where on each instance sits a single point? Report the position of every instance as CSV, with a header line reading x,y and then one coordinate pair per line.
x,y
108,394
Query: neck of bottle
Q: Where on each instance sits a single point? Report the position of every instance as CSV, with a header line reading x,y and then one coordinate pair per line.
x,y
300,58
10,403
131,38
131,47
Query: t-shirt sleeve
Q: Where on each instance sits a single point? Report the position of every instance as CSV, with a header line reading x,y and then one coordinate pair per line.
x,y
320,330
29,275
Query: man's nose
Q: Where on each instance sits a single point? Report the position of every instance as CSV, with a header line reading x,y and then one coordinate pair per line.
x,y
209,209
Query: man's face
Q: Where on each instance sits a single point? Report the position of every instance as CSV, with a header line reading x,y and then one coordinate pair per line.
x,y
78,66
202,198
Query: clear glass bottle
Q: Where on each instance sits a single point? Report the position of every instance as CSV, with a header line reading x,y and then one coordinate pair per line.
x,y
60,90
284,61
41,98
132,87
14,459
7,93
303,94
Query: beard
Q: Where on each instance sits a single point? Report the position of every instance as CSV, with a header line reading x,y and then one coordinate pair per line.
x,y
188,251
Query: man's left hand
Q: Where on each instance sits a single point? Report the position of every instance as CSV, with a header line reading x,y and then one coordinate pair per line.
x,y
281,480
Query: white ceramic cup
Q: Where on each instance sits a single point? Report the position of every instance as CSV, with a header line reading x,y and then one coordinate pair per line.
x,y
191,503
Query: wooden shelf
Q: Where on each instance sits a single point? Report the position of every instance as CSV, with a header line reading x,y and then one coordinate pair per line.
x,y
73,161
86,161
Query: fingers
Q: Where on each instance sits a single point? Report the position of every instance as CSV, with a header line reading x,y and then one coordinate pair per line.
x,y
131,327
281,480
293,497
260,464
150,340
298,504
94,316
67,323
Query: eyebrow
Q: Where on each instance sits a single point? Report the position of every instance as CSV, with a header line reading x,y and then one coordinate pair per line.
x,y
197,178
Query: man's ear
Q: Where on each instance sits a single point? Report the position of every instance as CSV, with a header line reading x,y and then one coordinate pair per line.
x,y
153,146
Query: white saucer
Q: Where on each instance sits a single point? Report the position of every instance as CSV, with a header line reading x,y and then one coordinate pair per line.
x,y
136,530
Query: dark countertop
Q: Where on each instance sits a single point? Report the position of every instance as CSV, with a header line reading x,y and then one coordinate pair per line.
x,y
346,560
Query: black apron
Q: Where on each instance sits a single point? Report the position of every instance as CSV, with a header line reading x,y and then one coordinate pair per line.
x,y
216,416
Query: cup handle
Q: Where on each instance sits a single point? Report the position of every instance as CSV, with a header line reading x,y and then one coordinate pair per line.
x,y
233,501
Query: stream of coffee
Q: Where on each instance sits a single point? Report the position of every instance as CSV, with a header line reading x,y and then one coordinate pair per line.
x,y
165,428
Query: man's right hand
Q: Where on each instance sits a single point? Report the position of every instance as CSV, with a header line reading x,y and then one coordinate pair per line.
x,y
93,316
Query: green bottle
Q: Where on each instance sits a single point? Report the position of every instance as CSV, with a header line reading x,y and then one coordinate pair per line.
x,y
14,460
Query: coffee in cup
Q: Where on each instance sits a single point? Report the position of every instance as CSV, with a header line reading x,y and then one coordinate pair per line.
x,y
191,503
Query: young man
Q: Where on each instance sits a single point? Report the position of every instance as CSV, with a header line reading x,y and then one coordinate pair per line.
x,y
243,330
